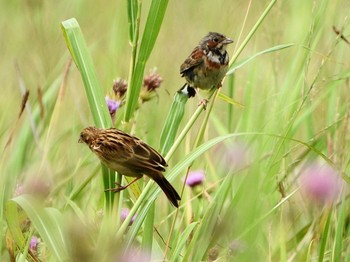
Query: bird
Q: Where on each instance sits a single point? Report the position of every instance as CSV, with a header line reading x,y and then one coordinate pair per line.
x,y
207,64
129,156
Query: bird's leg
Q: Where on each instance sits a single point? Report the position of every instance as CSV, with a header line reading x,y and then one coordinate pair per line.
x,y
120,188
202,101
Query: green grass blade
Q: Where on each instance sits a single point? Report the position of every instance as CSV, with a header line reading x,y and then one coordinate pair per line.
x,y
15,220
133,11
81,56
172,122
147,236
238,65
13,223
47,221
339,233
206,230
80,53
324,237
230,100
252,31
152,27
183,239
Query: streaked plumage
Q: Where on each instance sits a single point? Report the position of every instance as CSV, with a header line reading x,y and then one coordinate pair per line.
x,y
129,156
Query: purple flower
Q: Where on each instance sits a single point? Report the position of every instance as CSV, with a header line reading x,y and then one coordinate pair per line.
x,y
320,183
124,213
34,242
232,156
195,178
135,255
112,105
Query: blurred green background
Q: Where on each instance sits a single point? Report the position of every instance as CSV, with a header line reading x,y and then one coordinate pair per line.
x,y
300,93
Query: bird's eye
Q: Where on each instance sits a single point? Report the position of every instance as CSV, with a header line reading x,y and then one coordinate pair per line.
x,y
216,39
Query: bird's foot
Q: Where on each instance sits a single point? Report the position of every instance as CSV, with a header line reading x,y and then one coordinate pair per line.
x,y
203,102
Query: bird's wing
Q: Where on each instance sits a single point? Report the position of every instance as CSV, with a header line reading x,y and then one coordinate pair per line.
x,y
193,60
146,157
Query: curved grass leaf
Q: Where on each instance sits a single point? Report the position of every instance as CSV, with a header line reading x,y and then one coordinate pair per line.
x,y
48,222
81,56
238,65
252,31
230,100
184,236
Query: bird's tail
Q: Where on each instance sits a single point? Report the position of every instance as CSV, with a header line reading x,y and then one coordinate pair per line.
x,y
168,189
187,90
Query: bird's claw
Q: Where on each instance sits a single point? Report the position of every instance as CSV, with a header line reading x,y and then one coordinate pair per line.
x,y
116,189
203,102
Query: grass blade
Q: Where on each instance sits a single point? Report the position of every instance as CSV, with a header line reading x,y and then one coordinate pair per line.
x,y
238,65
172,122
47,221
81,56
152,27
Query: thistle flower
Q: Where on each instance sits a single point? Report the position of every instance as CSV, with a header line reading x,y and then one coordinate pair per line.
x,y
113,105
34,243
195,178
120,87
151,82
320,183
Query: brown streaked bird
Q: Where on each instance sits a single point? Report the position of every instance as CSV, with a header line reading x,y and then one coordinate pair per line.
x,y
129,156
207,65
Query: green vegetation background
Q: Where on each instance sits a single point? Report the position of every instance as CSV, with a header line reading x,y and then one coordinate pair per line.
x,y
296,104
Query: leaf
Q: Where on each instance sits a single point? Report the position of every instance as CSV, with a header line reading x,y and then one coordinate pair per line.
x,y
238,65
184,236
172,122
206,230
230,100
132,9
152,27
47,221
81,56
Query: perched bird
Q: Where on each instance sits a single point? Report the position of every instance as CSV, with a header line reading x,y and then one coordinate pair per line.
x,y
129,156
207,65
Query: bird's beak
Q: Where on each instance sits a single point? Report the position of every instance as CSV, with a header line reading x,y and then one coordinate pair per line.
x,y
80,140
227,41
